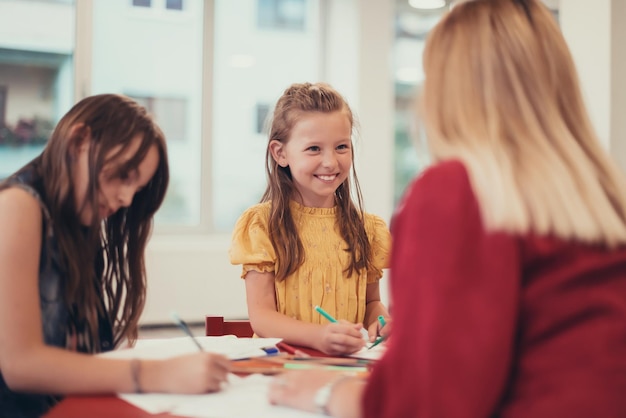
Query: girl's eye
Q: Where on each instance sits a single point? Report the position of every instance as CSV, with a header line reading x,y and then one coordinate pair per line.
x,y
126,176
343,146
313,148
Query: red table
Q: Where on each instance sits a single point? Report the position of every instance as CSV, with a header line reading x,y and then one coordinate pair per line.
x,y
106,406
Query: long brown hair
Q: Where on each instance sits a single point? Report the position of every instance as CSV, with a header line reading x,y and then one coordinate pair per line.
x,y
297,100
501,94
116,245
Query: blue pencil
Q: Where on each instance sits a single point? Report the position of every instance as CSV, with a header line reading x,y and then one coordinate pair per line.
x,y
183,325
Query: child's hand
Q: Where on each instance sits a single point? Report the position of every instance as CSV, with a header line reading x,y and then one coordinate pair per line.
x,y
376,329
341,337
193,373
386,330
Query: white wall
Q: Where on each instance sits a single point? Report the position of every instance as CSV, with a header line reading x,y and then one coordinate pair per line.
x,y
192,275
618,82
588,34
595,34
17,22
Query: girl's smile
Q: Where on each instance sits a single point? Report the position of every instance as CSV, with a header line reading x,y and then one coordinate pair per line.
x,y
327,178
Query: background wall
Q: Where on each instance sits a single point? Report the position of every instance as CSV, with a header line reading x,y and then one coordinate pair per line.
x,y
595,35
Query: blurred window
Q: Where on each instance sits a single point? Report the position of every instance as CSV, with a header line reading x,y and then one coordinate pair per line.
x,y
36,76
282,14
411,28
142,3
211,100
174,4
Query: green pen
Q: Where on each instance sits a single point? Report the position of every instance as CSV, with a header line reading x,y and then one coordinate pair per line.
x,y
324,314
381,320
375,343
331,319
309,366
380,339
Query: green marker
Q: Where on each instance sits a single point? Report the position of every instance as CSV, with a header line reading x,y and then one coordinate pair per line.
x,y
324,314
331,319
308,366
381,320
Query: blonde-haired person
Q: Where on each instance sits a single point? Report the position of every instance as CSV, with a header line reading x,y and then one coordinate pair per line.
x,y
75,222
508,269
308,242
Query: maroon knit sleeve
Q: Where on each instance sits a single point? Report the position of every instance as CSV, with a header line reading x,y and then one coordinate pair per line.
x,y
454,291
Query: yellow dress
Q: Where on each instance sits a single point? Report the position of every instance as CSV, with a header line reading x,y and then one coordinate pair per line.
x,y
321,279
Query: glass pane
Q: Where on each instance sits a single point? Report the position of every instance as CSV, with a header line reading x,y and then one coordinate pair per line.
x,y
174,4
254,61
282,14
412,25
142,3
154,54
36,76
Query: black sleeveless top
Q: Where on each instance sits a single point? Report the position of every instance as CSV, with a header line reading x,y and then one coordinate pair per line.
x,y
58,329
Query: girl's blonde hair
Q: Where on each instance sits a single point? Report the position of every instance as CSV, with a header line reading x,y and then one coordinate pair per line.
x,y
502,95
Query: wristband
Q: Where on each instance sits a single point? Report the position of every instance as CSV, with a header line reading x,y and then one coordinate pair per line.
x,y
323,394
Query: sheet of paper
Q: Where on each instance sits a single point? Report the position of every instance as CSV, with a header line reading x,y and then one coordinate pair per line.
x,y
374,353
243,397
229,345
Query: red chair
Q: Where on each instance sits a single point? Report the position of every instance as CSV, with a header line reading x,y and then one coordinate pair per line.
x,y
215,326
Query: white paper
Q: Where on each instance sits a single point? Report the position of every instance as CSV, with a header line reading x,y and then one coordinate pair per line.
x,y
374,353
243,397
229,345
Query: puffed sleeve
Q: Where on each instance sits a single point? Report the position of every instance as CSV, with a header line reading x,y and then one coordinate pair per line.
x,y
380,241
251,246
455,293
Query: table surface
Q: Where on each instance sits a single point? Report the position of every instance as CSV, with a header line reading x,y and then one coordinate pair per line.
x,y
107,406
104,406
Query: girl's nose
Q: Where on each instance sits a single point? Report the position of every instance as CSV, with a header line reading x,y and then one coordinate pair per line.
x,y
329,160
125,195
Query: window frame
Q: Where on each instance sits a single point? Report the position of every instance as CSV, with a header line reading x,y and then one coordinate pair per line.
x,y
82,88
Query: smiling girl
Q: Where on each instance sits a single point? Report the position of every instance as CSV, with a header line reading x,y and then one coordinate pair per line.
x,y
308,243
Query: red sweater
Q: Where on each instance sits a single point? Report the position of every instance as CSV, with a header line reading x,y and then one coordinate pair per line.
x,y
496,325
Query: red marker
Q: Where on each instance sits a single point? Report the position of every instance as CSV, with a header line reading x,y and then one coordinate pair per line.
x,y
291,350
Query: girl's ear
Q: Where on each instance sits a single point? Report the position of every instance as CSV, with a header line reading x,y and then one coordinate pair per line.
x,y
277,149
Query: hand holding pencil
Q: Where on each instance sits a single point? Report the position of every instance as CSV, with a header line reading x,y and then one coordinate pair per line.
x,y
340,337
383,330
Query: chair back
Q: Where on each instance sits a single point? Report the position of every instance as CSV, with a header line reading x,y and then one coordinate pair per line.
x,y
216,326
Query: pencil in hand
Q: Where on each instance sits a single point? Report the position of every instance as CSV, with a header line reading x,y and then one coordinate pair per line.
x,y
183,325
